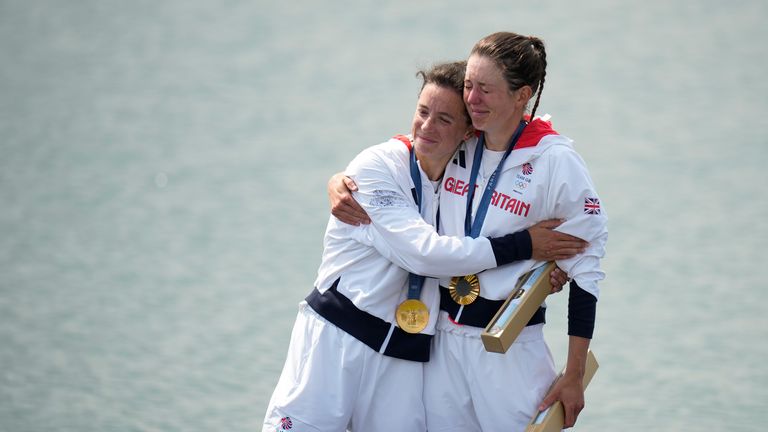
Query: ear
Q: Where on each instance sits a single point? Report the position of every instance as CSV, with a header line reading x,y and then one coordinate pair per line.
x,y
524,94
469,133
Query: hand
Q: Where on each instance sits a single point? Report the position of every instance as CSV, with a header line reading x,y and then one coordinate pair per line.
x,y
557,279
551,245
343,204
569,391
569,388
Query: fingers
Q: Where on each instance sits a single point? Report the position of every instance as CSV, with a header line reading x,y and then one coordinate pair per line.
x,y
563,237
350,212
569,243
549,245
355,209
561,250
571,415
556,254
549,223
361,216
569,419
343,214
347,210
557,279
351,185
350,217
556,286
549,400
564,254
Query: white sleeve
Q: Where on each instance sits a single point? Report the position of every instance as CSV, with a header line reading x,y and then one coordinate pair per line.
x,y
573,197
399,233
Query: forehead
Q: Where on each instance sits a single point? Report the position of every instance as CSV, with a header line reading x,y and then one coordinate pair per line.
x,y
441,99
483,69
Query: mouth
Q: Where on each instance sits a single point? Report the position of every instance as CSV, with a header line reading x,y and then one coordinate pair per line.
x,y
477,112
426,139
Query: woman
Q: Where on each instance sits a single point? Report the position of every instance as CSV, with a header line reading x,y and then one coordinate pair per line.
x,y
532,173
352,361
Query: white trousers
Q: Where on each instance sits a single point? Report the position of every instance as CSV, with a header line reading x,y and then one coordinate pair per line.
x,y
468,389
331,382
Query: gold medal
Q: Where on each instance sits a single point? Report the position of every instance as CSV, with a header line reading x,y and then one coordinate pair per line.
x,y
412,316
464,289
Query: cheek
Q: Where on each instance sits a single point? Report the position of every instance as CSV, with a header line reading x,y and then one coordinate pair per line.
x,y
465,129
415,124
452,138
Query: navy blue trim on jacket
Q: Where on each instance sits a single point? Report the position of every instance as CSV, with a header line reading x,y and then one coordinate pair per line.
x,y
368,329
480,312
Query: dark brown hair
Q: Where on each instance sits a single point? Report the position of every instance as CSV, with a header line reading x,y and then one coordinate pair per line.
x,y
449,75
522,59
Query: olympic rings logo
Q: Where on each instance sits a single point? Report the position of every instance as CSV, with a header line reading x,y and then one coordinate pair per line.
x,y
521,184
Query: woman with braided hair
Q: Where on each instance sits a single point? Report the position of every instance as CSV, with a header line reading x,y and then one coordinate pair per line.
x,y
519,172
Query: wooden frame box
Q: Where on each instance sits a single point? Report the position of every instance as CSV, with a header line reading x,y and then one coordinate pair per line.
x,y
529,293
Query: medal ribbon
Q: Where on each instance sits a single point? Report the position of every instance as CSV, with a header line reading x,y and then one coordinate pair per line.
x,y
415,281
471,228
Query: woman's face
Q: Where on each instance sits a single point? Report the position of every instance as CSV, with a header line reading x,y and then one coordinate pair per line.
x,y
439,124
490,102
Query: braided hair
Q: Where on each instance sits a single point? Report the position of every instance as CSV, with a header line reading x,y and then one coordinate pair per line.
x,y
522,59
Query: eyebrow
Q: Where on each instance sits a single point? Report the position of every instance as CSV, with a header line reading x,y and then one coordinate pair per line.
x,y
480,83
440,113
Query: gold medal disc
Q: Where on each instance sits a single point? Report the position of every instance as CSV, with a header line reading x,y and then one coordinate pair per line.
x,y
464,289
412,316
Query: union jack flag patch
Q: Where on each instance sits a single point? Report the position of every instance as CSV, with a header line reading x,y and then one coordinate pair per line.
x,y
592,206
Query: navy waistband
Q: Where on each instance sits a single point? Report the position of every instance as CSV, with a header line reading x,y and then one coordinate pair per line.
x,y
368,329
480,312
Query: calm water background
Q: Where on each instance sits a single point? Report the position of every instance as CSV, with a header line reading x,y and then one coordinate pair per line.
x,y
162,195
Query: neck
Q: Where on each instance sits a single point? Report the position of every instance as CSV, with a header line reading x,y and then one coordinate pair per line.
x,y
433,168
498,139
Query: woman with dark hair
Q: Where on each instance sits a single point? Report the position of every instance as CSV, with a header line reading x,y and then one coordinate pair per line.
x,y
534,173
520,171
355,359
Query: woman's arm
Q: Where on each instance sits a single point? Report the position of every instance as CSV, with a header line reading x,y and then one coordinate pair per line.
x,y
546,244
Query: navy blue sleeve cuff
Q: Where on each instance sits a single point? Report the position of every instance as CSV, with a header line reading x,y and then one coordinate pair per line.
x,y
582,308
512,247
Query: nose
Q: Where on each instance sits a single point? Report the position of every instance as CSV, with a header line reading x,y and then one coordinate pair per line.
x,y
472,95
427,125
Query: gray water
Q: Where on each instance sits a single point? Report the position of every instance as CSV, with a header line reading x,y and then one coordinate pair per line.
x,y
162,195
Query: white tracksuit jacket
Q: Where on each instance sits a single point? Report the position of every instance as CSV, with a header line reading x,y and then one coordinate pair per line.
x,y
370,259
543,178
